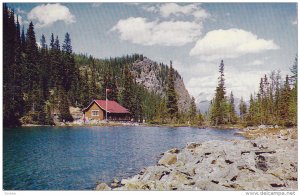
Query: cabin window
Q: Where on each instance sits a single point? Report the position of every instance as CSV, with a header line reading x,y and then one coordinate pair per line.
x,y
95,112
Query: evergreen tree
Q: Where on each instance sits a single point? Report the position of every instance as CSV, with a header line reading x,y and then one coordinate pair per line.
x,y
128,94
294,70
162,111
52,64
85,97
44,68
252,111
12,78
284,102
110,82
93,87
219,104
137,104
221,87
31,60
43,42
69,64
64,110
276,102
293,99
277,95
266,101
23,41
193,111
243,108
17,97
292,110
39,109
113,86
200,118
232,114
32,70
52,42
48,117
8,60
171,95
56,63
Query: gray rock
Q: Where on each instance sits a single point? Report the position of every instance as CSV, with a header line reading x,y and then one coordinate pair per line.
x,y
192,145
147,73
115,183
168,159
262,126
265,163
174,150
102,187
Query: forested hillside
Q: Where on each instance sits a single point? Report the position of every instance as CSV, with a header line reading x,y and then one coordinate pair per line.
x,y
42,81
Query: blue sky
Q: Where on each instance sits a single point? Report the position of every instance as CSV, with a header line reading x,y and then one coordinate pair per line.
x,y
252,38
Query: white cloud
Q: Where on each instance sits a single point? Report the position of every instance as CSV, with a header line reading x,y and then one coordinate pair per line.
x,y
150,8
200,14
47,14
205,84
198,69
39,45
167,33
20,19
174,9
231,43
256,62
20,11
295,22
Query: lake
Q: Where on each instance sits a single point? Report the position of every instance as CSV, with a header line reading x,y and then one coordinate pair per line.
x,y
75,158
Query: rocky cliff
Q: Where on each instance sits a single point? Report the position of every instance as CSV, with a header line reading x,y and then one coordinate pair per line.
x,y
154,77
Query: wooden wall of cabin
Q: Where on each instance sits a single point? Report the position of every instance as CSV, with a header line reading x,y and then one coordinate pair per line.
x,y
94,107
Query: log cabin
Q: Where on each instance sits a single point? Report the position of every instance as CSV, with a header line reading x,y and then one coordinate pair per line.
x,y
96,110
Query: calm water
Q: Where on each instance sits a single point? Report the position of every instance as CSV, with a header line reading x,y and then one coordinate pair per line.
x,y
47,158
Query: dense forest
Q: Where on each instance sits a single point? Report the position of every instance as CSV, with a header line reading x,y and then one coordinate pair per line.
x,y
39,82
42,81
274,104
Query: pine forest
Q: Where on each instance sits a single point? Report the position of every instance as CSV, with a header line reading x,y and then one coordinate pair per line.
x,y
41,81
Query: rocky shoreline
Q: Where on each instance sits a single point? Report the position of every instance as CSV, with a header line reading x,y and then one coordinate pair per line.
x,y
268,162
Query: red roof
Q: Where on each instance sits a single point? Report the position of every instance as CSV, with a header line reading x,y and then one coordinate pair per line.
x,y
112,106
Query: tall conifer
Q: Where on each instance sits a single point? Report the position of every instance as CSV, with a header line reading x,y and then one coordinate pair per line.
x,y
171,95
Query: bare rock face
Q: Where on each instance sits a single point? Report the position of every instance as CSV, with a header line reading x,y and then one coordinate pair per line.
x,y
184,99
146,73
149,74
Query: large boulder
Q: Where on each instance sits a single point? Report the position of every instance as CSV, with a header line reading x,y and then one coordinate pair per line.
x,y
168,159
102,187
192,145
